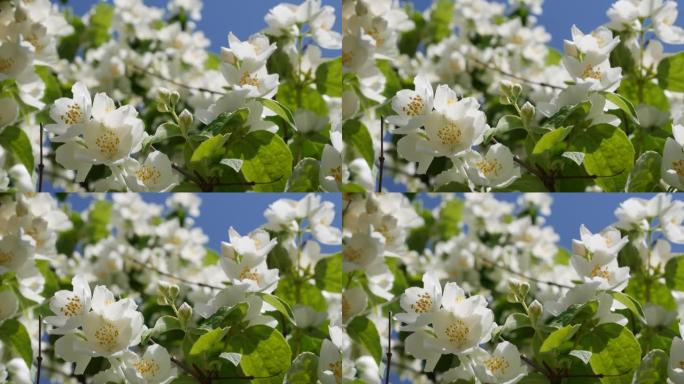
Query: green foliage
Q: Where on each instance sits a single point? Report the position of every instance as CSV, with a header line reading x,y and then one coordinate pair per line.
x,y
265,353
609,155
304,369
441,15
14,335
615,352
450,216
674,273
305,176
363,332
267,160
356,136
559,339
671,73
14,140
328,273
645,175
653,368
329,77
296,97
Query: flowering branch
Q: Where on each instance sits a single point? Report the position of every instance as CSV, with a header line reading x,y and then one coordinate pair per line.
x,y
182,280
508,269
158,76
381,158
513,76
389,346
39,359
41,166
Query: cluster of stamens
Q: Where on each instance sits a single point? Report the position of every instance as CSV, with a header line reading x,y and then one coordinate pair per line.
x,y
73,306
423,304
457,332
108,143
147,368
449,133
496,364
414,107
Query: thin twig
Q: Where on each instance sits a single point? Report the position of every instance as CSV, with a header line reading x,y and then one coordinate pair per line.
x,y
511,75
508,269
182,280
389,346
41,165
381,158
153,74
39,359
533,364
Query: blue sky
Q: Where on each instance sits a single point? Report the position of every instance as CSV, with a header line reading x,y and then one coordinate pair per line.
x,y
243,17
570,210
559,15
243,211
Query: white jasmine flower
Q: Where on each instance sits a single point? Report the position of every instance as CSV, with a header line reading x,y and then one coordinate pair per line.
x,y
153,367
503,365
9,111
495,169
9,305
155,174
70,307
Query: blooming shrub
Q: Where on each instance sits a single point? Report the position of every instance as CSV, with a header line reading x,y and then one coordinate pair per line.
x,y
470,97
480,291
129,292
131,99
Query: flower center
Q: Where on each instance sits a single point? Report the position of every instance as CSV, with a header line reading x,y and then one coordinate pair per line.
x,y
248,79
5,257
591,72
73,114
377,36
73,306
106,336
678,166
457,332
351,254
148,175
147,368
337,174
108,143
248,274
496,364
423,304
336,369
449,133
415,106
489,167
517,40
597,271
33,40
6,64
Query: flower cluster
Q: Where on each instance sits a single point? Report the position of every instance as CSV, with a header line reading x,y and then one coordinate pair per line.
x,y
482,290
130,291
494,107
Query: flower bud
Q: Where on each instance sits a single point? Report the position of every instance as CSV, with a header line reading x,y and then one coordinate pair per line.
x,y
505,87
175,98
185,119
504,100
163,301
516,90
535,310
185,312
527,112
163,95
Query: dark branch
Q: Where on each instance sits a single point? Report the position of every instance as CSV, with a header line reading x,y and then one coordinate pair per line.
x,y
39,359
381,158
158,76
152,268
41,165
389,346
513,76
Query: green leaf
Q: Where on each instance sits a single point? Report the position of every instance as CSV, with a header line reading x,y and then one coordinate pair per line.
x,y
13,334
232,357
165,324
304,369
363,331
226,316
279,304
208,152
559,337
164,132
100,21
566,116
301,293
304,176
653,368
654,292
615,352
552,142
328,273
645,175
209,342
584,356
213,61
53,90
301,97
228,122
15,141
356,135
234,164
97,225
671,73
674,273
516,321
622,103
267,160
651,94
392,80
449,219
631,304
265,353
505,124
608,152
280,110
439,26
553,57
329,77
